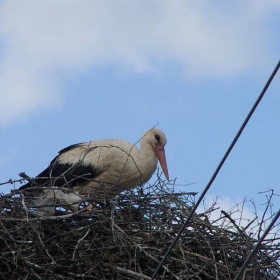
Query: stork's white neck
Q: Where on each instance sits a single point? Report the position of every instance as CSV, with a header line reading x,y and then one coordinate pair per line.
x,y
147,161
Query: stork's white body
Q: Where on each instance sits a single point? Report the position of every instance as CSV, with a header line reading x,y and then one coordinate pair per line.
x,y
105,167
120,164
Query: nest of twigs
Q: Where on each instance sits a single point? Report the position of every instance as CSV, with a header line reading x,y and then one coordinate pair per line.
x,y
126,238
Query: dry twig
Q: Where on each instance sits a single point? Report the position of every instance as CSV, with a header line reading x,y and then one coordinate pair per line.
x,y
126,239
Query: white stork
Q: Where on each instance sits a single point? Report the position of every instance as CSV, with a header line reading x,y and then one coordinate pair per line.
x,y
105,167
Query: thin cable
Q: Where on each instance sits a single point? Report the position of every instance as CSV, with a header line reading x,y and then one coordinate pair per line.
x,y
217,170
277,215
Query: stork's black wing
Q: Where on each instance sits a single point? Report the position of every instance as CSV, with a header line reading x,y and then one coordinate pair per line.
x,y
64,175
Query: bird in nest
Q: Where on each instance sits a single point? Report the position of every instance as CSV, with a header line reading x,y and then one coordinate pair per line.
x,y
103,168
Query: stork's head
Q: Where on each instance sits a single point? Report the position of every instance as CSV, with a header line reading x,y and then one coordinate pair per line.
x,y
157,140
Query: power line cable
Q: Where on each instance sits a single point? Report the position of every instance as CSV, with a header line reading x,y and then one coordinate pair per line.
x,y
216,171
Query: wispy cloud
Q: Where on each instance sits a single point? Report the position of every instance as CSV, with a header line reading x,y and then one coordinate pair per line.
x,y
245,214
40,39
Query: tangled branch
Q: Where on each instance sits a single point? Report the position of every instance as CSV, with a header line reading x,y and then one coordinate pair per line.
x,y
125,238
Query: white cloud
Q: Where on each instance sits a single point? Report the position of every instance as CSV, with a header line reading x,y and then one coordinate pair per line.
x,y
246,215
24,91
240,211
40,39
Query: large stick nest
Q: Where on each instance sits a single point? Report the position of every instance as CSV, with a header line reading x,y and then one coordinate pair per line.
x,y
126,238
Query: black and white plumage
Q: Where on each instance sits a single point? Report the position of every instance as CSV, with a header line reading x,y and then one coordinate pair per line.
x,y
105,167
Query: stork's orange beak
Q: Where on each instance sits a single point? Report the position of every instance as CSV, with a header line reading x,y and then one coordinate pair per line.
x,y
159,150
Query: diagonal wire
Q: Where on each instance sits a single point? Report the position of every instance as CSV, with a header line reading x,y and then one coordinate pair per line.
x,y
217,170
277,215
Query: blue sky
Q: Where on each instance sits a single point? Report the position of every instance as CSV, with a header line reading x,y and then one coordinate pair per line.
x,y
75,71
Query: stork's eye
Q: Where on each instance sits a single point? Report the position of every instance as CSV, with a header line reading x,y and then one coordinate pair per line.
x,y
157,137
